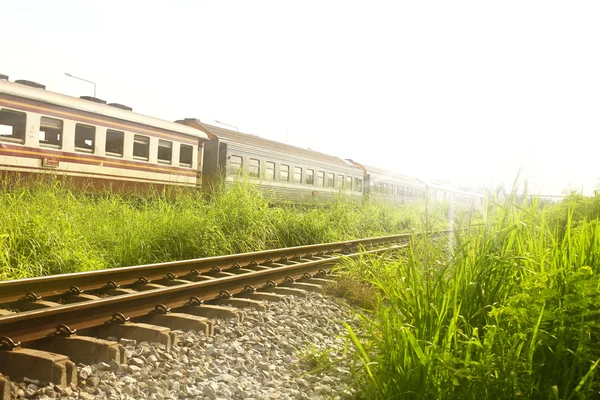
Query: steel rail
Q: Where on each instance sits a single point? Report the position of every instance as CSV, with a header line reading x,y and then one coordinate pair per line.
x,y
14,290
32,325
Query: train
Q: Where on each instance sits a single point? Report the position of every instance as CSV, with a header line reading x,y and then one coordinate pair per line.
x,y
109,145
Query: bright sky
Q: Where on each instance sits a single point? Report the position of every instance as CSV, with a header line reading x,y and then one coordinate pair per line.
x,y
470,91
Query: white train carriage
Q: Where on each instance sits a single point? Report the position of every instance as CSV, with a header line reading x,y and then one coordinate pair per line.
x,y
280,171
89,140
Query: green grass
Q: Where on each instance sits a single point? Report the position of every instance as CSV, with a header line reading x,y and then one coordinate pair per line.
x,y
45,228
510,310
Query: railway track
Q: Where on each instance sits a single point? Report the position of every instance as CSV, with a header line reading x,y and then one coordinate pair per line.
x,y
48,323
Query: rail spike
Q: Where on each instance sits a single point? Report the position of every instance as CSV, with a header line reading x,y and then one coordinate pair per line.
x,y
112,285
195,301
118,318
170,276
270,283
249,289
32,297
161,309
289,279
224,295
74,290
8,344
64,331
142,280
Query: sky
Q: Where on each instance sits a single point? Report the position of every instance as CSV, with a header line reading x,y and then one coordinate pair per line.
x,y
474,93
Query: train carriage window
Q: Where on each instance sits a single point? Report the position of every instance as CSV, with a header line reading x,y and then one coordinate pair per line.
x,y
348,184
320,178
358,184
254,168
12,125
235,164
51,132
340,181
186,155
297,175
165,152
85,138
330,179
114,143
310,176
284,173
270,171
141,147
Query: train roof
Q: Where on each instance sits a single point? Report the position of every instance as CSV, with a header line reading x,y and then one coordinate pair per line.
x,y
392,174
253,140
41,94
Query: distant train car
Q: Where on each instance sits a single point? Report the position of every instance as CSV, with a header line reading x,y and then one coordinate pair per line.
x,y
461,199
89,141
281,171
391,187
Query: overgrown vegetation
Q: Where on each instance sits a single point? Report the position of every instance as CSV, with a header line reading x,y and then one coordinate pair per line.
x,y
509,310
45,228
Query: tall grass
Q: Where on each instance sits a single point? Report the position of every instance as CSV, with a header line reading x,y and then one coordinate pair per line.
x,y
509,310
46,228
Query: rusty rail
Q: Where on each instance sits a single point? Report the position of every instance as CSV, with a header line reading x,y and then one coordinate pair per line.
x,y
176,283
31,325
53,285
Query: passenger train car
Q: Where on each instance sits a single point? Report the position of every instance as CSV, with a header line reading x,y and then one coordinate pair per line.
x,y
280,171
392,187
87,140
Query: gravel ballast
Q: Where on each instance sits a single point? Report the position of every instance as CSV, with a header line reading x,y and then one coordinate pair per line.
x,y
294,350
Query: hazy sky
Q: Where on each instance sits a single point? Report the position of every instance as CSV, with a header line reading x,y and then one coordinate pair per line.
x,y
469,91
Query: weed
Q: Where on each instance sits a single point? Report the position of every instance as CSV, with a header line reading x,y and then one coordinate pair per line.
x,y
47,228
508,310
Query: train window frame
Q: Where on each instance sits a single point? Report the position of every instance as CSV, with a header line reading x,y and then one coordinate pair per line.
x,y
115,135
235,167
141,145
321,178
330,179
297,176
21,126
309,177
348,182
164,144
254,170
284,168
80,133
56,142
183,155
269,166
